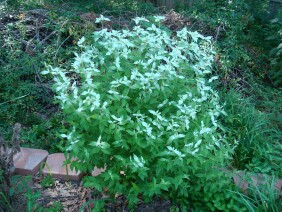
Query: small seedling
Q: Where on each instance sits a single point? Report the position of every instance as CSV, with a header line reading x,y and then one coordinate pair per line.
x,y
47,181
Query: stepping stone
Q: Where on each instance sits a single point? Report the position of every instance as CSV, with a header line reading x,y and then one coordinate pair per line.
x,y
240,181
55,166
28,161
245,180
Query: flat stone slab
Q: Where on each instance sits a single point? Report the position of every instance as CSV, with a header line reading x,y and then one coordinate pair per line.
x,y
245,180
55,166
240,181
28,161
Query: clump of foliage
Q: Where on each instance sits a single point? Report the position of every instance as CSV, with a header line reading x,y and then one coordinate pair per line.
x,y
46,134
262,196
140,104
32,205
255,137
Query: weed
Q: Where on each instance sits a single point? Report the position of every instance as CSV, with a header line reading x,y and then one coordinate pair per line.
x,y
47,181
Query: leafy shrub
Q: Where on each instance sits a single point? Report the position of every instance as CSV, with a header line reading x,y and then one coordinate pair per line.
x,y
139,103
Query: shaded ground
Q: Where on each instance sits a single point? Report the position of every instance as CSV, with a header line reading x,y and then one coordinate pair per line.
x,y
70,196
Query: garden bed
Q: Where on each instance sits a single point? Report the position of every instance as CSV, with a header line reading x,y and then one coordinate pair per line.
x,y
33,36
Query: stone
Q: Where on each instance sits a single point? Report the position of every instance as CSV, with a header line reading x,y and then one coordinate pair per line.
x,y
28,161
97,171
55,166
246,180
17,156
278,186
239,181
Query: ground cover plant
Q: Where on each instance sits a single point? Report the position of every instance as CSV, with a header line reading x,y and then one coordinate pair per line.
x,y
28,39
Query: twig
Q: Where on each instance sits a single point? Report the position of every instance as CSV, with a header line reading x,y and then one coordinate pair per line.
x,y
37,30
13,99
218,29
44,198
47,37
61,46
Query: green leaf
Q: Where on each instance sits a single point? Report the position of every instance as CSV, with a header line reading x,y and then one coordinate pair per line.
x,y
92,182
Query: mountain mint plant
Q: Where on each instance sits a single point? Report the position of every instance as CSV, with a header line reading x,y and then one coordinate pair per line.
x,y
139,102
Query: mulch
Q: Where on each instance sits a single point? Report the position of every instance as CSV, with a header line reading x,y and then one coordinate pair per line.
x,y
74,197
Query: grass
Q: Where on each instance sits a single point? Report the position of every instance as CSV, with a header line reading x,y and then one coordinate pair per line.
x,y
253,133
261,197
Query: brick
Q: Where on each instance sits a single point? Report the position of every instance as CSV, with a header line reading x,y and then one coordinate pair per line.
x,y
17,156
54,166
28,161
